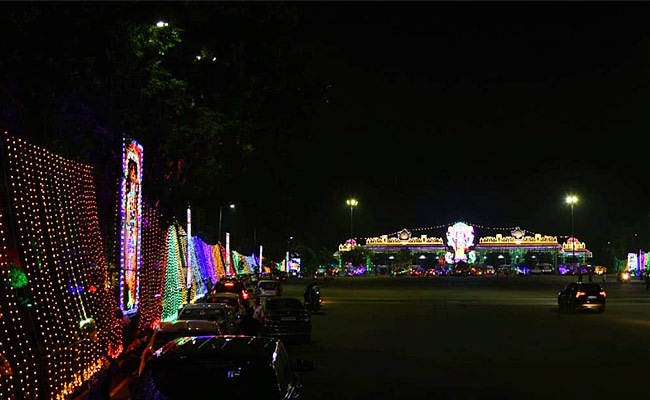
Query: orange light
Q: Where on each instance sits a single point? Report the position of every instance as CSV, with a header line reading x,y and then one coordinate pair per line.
x,y
580,294
229,284
604,294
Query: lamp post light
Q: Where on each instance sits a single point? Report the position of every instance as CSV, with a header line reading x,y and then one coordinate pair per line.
x,y
220,218
352,203
571,200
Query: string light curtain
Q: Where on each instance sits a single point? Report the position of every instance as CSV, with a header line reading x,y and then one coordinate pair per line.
x,y
53,211
152,270
173,292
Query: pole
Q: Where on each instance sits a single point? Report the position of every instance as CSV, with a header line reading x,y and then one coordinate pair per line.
x,y
573,241
351,234
220,214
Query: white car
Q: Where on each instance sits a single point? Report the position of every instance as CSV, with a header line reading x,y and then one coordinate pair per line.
x,y
268,288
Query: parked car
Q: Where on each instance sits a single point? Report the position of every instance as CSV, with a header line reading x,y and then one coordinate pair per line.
x,y
220,313
168,331
237,367
546,268
231,286
285,317
239,306
268,288
580,296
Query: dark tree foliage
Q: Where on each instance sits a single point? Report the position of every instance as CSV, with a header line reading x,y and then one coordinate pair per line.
x,y
214,97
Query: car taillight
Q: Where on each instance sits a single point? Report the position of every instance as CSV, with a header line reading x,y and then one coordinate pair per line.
x,y
244,295
320,301
580,294
229,284
603,294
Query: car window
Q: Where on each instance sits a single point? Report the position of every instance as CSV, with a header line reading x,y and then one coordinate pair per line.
x,y
268,285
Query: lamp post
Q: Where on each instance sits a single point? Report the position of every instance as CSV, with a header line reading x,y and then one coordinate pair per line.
x,y
571,200
220,217
352,203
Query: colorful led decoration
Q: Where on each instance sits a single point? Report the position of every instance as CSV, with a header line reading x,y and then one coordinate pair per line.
x,y
632,262
173,294
131,203
460,237
228,271
152,269
53,339
188,263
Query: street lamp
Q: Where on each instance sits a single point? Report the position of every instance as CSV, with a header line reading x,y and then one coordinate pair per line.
x,y
220,217
161,24
571,200
352,203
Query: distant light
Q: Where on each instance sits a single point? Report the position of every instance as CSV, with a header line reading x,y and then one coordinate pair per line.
x,y
352,202
422,257
500,256
533,257
161,24
609,242
232,206
290,237
571,199
198,57
214,58
391,257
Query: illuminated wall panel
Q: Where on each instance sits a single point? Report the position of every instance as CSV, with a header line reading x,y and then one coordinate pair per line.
x,y
131,227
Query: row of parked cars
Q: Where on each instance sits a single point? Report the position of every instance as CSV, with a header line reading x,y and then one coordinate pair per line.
x,y
211,342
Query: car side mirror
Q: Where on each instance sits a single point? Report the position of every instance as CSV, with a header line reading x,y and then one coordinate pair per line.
x,y
304,365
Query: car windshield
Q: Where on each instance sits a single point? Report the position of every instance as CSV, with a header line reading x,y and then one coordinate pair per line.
x,y
283,304
268,285
230,380
591,287
164,337
227,300
212,314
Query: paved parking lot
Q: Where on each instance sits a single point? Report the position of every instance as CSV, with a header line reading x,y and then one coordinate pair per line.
x,y
471,337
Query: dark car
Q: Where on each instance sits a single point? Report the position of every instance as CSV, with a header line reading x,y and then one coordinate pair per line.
x,y
237,367
582,296
285,317
168,331
239,306
231,286
220,313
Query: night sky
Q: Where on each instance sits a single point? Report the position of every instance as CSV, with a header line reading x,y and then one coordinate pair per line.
x,y
432,113
485,113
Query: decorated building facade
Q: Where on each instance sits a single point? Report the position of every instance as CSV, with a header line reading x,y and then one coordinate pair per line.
x,y
462,244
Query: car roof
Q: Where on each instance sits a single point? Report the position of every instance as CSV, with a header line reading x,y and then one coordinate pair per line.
x,y
205,305
224,294
218,347
188,325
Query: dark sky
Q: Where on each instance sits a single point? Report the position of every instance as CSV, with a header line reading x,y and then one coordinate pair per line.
x,y
434,112
484,112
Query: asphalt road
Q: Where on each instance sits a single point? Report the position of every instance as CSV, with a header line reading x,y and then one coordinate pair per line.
x,y
472,337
